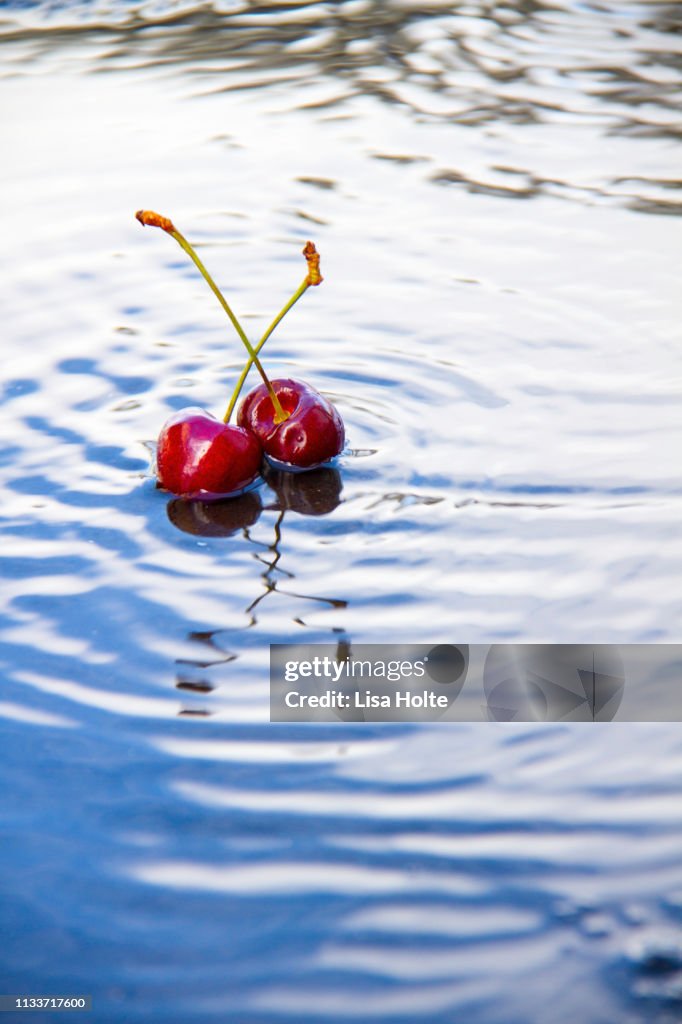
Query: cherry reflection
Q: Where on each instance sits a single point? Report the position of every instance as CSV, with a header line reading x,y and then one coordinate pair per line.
x,y
215,518
191,680
315,493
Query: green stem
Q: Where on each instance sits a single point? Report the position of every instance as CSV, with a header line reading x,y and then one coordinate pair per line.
x,y
280,316
280,414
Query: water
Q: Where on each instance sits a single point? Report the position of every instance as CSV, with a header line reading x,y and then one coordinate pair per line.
x,y
495,192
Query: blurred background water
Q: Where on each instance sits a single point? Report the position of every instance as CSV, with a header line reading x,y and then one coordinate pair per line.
x,y
495,190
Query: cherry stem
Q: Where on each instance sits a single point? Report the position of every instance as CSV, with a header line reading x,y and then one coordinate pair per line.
x,y
313,277
151,219
243,375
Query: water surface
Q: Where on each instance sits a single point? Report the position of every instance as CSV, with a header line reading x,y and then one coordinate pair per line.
x,y
495,191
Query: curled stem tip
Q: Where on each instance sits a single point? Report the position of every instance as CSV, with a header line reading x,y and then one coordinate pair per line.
x,y
313,260
148,218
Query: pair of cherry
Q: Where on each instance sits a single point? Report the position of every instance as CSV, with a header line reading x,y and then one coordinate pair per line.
x,y
288,421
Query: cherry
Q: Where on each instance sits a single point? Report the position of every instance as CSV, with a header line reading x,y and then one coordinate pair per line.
x,y
294,423
198,456
312,433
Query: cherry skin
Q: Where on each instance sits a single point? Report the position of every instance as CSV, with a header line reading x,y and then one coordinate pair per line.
x,y
198,455
313,433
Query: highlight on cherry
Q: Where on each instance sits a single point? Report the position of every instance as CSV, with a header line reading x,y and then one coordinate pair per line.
x,y
284,421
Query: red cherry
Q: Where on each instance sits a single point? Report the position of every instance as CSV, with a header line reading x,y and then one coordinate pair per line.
x,y
313,433
197,455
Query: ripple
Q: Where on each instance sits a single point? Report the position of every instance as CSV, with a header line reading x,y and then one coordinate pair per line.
x,y
265,753
34,716
465,924
117,703
284,878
